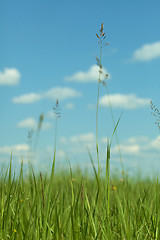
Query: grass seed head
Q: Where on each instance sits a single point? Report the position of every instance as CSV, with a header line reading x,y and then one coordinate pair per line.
x,y
156,113
57,109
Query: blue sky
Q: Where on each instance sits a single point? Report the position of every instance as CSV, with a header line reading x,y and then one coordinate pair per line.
x,y
48,51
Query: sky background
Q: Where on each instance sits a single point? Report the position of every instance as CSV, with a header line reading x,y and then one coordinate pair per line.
x,y
48,50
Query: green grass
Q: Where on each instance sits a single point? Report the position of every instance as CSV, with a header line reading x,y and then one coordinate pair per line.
x,y
66,206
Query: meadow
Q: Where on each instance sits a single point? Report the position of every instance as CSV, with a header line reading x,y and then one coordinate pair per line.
x,y
75,205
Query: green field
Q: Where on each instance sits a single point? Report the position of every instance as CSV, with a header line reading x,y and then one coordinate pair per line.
x,y
77,206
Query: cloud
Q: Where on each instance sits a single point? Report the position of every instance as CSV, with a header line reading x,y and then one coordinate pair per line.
x,y
27,98
60,154
15,149
129,147
138,146
27,123
139,140
78,144
155,143
147,52
126,149
88,137
46,126
60,93
50,114
91,75
130,101
32,124
132,148
9,77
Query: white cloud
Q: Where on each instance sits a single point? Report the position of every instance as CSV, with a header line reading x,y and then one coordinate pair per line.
x,y
27,123
140,146
50,115
91,75
60,93
27,98
155,143
139,140
32,124
60,154
88,137
147,52
78,144
103,140
15,149
130,101
9,77
46,126
126,149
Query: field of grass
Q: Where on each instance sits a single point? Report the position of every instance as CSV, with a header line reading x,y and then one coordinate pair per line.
x,y
73,205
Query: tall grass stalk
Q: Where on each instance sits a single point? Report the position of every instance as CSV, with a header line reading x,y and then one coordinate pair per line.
x,y
101,37
57,113
101,41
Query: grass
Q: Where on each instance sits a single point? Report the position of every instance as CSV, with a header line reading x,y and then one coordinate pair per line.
x,y
66,206
73,205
